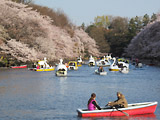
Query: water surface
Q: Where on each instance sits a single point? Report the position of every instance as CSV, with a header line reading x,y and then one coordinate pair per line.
x,y
31,95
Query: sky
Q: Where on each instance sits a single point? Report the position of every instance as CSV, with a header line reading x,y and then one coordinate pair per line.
x,y
84,11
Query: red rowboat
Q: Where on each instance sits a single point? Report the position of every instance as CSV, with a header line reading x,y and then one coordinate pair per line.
x,y
22,66
133,109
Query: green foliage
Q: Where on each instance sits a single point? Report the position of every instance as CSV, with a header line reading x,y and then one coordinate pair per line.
x,y
98,33
132,28
146,19
119,25
117,35
102,21
153,17
3,62
113,34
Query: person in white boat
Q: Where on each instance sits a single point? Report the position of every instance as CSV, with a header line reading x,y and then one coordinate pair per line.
x,y
92,104
100,69
121,101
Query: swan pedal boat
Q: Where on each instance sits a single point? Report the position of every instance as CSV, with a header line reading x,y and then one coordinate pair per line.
x,y
91,61
42,69
45,69
61,69
100,73
72,65
132,109
124,70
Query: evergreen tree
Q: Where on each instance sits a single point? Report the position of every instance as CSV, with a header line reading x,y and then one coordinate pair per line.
x,y
98,34
138,23
146,19
153,17
83,26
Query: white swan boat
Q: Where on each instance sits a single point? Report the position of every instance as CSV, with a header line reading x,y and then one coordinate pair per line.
x,y
43,66
79,61
61,69
91,61
103,62
119,66
124,70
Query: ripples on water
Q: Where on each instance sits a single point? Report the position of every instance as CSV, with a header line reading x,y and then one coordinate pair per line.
x,y
30,95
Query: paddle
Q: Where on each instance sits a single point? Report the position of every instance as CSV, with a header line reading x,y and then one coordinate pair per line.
x,y
122,111
119,110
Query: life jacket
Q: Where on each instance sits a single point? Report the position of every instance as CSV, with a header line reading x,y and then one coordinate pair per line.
x,y
91,106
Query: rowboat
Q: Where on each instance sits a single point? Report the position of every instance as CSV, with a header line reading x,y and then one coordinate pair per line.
x,y
132,109
100,73
21,66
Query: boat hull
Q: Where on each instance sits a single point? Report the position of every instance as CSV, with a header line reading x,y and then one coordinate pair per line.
x,y
110,69
124,71
135,109
51,69
102,65
72,68
91,64
61,73
22,66
101,73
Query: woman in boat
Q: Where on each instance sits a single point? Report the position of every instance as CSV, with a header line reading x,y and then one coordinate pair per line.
x,y
92,104
121,102
100,69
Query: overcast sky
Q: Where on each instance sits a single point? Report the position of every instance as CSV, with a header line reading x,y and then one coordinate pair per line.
x,y
80,11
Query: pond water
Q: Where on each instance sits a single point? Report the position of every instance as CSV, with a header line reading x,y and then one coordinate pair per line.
x,y
30,95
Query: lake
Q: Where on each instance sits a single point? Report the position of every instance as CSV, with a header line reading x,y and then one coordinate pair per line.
x,y
31,95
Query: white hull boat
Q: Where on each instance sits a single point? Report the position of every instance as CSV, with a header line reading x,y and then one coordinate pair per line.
x,y
100,73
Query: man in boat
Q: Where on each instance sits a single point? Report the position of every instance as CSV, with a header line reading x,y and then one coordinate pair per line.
x,y
92,104
121,102
100,69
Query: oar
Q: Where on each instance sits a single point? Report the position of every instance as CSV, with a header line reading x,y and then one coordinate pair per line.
x,y
122,112
119,110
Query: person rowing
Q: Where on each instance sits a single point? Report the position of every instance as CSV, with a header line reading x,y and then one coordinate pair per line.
x,y
121,102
